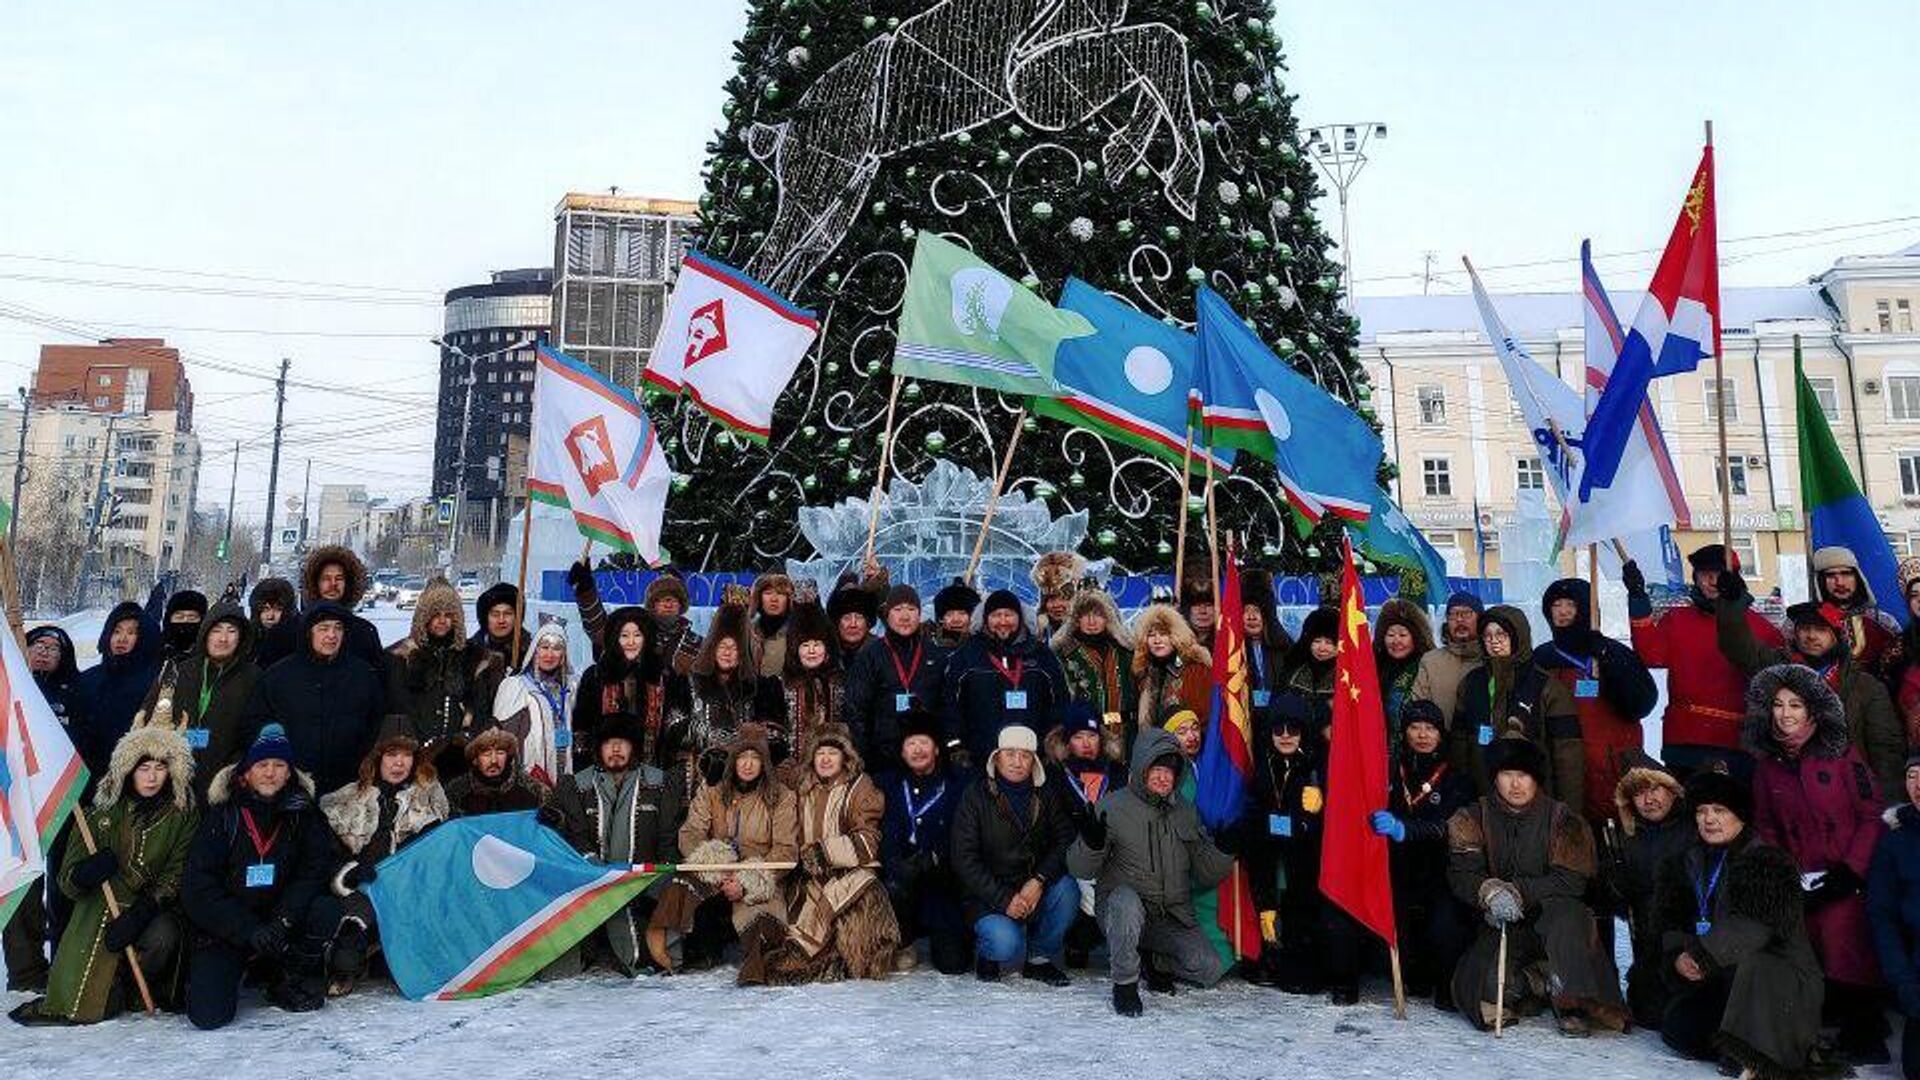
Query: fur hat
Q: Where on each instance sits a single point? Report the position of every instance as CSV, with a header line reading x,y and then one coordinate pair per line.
x,y
1164,619
771,581
161,744
1638,772
493,739
900,594
919,722
1092,600
423,770
277,591
192,600
1710,787
835,735
617,725
1908,572
666,586
439,598
333,555
1002,600
503,592
1515,754
851,599
1714,557
958,596
809,623
1058,573
1017,737
729,623
1421,711
1404,613
1196,588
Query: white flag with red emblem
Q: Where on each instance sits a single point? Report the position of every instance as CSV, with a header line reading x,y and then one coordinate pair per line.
x,y
729,343
597,453
41,777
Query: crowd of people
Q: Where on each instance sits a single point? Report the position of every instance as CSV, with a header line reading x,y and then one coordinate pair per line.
x,y
1018,789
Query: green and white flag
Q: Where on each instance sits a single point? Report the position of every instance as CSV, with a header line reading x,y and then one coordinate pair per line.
x,y
964,322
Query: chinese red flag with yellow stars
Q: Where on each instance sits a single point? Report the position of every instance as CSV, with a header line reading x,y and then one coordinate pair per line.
x,y
1353,860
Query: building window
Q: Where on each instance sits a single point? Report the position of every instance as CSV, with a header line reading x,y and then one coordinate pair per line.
x,y
1529,474
1748,553
1436,473
1903,316
1910,473
1433,405
1715,389
1736,476
1883,315
1903,397
1827,392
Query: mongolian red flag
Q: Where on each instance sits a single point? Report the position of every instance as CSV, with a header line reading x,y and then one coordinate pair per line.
x,y
1353,860
1226,760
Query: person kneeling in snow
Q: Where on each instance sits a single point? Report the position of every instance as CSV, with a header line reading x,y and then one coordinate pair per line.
x,y
1743,980
256,886
396,798
1146,852
1010,839
1523,861
143,820
620,810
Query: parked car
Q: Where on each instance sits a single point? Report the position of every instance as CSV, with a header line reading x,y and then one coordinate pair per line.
x,y
407,593
469,585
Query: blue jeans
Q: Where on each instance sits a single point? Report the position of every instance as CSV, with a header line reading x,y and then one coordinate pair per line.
x,y
1004,941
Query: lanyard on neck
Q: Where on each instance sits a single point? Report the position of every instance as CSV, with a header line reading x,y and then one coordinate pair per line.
x,y
1704,894
559,705
906,672
915,810
1586,667
260,847
1010,673
206,694
1426,786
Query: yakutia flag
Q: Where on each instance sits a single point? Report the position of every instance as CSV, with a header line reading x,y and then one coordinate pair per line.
x,y
1678,326
1326,456
481,904
596,452
730,343
40,778
1130,381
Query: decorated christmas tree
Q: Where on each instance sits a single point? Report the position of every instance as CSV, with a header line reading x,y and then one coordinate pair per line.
x,y
1145,146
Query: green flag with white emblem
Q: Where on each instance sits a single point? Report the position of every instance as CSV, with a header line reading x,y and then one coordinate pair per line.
x,y
964,322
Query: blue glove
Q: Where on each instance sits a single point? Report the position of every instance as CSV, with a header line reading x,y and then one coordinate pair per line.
x,y
1385,824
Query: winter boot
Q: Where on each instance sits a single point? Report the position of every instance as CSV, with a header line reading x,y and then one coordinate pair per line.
x,y
1344,995
905,960
294,995
759,949
986,970
348,954
1126,999
1043,971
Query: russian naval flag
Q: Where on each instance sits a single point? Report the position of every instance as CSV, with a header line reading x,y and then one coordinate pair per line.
x,y
1131,381
481,904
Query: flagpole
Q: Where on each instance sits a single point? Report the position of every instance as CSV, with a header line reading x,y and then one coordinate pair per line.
x,y
1180,524
880,481
1213,543
1593,584
113,910
1720,423
993,500
1399,986
10,580
520,589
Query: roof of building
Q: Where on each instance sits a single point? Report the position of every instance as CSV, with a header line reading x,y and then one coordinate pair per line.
x,y
1537,314
626,204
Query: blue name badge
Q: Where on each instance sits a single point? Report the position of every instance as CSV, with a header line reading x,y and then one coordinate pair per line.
x,y
1261,698
902,702
562,738
260,876
198,738
1279,824
1486,734
1702,928
1016,699
1586,688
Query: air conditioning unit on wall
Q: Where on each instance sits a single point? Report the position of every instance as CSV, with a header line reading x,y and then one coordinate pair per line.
x,y
1870,387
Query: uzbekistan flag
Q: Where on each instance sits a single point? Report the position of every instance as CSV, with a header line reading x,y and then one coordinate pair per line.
x,y
596,452
482,904
730,343
1353,861
1678,325
1226,763
41,777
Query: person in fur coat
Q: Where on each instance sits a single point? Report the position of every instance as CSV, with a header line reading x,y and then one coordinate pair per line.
x,y
1893,908
1095,652
813,686
746,817
1402,634
1814,795
1654,825
840,923
620,810
536,706
1744,985
396,798
770,606
143,819
1171,671
441,686
723,693
333,574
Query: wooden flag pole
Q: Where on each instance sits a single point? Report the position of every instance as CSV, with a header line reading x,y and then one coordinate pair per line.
x,y
880,479
1213,546
1180,514
1720,424
520,592
1593,584
10,580
1500,987
1399,986
113,910
993,500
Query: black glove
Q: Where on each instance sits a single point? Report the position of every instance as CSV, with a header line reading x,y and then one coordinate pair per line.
x,y
550,816
1093,829
1839,883
959,756
813,860
96,869
361,873
122,932
1733,587
579,576
269,939
1633,579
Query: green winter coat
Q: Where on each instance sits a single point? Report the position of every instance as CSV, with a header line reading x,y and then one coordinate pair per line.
x,y
152,849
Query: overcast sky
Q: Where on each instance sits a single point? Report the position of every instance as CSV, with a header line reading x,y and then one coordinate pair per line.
x,y
368,156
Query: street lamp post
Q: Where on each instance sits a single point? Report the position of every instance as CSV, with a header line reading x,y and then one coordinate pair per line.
x,y
466,424
1340,150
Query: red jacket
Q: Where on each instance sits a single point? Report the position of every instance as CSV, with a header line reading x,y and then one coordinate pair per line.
x,y
1706,694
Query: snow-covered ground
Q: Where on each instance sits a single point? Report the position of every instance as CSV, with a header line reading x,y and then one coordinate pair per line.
x,y
921,1025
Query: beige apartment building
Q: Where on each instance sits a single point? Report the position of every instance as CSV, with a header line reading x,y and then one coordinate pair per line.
x,y
1465,455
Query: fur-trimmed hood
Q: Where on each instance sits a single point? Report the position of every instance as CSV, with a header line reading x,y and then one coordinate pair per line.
x,y
439,598
1166,619
832,735
350,563
1830,739
274,590
1514,622
730,622
772,581
220,791
1400,612
1088,600
161,744
1058,573
1637,779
